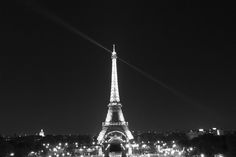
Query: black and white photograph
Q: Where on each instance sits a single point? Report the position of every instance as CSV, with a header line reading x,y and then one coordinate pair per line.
x,y
117,78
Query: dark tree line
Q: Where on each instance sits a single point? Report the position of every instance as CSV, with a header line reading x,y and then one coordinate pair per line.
x,y
22,146
208,144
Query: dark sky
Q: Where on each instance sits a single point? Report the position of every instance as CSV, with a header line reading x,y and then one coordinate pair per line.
x,y
52,78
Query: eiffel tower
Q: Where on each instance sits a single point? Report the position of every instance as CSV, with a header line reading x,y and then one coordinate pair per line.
x,y
115,132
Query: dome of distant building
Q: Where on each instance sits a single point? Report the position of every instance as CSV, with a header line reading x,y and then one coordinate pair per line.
x,y
41,133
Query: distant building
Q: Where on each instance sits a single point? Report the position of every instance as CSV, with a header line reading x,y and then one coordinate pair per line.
x,y
220,132
216,131
195,133
41,133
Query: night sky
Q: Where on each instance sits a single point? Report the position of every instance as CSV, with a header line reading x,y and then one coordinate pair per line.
x,y
52,78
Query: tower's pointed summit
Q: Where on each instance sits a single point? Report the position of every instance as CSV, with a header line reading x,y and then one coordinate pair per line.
x,y
114,96
114,48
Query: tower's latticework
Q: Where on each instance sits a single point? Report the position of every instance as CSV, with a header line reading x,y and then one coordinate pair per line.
x,y
115,127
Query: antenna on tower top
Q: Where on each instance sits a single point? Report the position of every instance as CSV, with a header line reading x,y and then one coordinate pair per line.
x,y
114,48
113,54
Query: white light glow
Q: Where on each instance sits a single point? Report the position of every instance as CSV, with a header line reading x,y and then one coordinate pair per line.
x,y
201,130
41,133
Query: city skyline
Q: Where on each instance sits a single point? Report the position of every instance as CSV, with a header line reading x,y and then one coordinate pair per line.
x,y
53,79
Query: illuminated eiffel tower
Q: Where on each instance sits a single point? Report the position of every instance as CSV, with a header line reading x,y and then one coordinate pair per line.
x,y
115,129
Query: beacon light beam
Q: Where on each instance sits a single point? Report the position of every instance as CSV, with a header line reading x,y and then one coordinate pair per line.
x,y
174,91
60,21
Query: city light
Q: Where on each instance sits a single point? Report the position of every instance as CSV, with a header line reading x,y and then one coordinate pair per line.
x,y
201,130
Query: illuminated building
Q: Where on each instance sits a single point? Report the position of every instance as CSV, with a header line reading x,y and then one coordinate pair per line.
x,y
115,129
216,131
41,133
